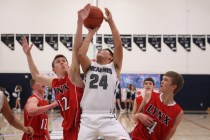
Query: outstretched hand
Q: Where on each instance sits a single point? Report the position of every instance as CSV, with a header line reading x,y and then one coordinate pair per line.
x,y
84,12
108,15
25,46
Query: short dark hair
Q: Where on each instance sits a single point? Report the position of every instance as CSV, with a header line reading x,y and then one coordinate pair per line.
x,y
110,52
57,56
149,79
177,80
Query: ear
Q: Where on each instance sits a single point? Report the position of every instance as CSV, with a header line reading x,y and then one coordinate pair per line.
x,y
174,87
33,86
111,58
53,70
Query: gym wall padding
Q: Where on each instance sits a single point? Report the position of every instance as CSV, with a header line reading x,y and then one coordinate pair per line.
x,y
10,80
195,94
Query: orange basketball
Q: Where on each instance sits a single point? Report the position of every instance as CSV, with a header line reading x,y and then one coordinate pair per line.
x,y
95,18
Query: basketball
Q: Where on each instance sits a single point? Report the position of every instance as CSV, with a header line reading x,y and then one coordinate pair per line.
x,y
95,18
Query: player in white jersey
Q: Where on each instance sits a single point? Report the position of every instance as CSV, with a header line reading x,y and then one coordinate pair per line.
x,y
101,78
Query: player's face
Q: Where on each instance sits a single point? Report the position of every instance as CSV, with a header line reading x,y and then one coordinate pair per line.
x,y
103,54
60,65
166,85
39,87
148,86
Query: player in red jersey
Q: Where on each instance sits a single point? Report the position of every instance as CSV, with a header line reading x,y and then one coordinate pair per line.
x,y
35,113
161,114
69,85
148,85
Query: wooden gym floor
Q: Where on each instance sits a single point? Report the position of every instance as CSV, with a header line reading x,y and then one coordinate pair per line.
x,y
192,127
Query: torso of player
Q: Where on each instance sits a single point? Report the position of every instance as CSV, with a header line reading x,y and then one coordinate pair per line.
x,y
39,123
68,97
163,116
100,85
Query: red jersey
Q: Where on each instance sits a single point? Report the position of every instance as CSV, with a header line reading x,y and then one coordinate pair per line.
x,y
163,115
68,97
39,123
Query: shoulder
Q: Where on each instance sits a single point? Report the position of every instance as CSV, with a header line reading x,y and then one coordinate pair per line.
x,y
32,99
178,108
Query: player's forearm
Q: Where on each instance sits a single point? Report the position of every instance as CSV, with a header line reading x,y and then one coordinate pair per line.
x,y
77,43
115,34
33,69
17,124
118,50
85,45
78,36
171,133
134,117
39,110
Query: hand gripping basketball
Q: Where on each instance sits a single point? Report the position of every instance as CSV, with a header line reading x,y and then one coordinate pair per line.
x,y
95,18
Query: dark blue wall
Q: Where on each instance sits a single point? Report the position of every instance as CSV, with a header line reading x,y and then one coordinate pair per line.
x,y
10,80
195,94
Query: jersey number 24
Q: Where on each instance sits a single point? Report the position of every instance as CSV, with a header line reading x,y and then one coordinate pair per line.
x,y
95,81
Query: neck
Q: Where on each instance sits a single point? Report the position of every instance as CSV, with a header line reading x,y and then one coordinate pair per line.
x,y
103,62
40,95
168,98
61,75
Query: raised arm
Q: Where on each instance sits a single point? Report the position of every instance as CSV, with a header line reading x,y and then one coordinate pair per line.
x,y
145,119
82,53
75,68
118,50
33,69
33,109
134,112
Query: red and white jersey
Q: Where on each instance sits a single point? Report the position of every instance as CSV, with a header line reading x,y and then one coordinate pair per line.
x,y
163,116
100,84
39,123
68,97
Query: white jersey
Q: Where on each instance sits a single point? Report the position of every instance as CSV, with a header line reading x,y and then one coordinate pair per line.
x,y
1,100
100,84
